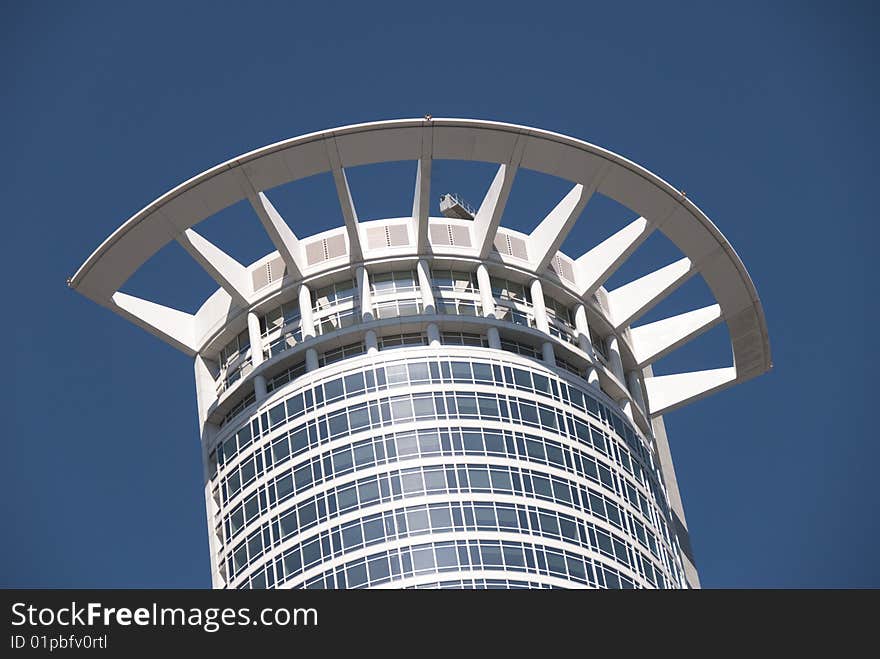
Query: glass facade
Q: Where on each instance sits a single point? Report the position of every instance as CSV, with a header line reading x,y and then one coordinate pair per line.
x,y
412,467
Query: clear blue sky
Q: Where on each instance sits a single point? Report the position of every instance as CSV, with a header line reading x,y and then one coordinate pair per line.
x,y
764,112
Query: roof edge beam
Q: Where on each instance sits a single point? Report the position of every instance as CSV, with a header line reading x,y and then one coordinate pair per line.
x,y
548,236
176,328
225,270
346,202
422,196
669,392
654,340
595,267
630,301
488,216
279,233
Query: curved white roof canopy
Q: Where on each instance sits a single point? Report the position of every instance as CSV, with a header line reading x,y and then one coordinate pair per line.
x,y
589,168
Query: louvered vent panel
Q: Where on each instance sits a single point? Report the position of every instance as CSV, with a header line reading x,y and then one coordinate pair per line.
x,y
276,269
334,246
316,252
501,243
510,245
269,272
260,277
377,237
440,234
563,267
517,247
398,236
387,236
459,236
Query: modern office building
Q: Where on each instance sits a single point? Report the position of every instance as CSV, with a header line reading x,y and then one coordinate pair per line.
x,y
439,401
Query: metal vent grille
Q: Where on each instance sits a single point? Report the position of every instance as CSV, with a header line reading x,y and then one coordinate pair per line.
x,y
450,234
269,272
511,245
563,267
459,235
316,252
377,237
388,236
334,246
398,236
440,234
325,249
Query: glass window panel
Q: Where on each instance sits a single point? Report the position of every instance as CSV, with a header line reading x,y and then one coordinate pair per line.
x,y
368,491
441,518
417,520
424,406
423,558
352,536
461,371
412,483
356,575
501,480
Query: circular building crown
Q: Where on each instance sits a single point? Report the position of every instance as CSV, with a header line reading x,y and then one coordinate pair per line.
x,y
461,240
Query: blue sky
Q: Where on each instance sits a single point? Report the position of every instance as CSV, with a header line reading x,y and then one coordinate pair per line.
x,y
764,112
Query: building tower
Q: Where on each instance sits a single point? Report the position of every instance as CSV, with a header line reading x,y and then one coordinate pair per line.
x,y
439,401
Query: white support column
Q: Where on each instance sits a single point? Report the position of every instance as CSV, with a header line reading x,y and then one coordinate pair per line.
x,y
260,391
484,283
538,307
256,339
433,335
307,322
547,353
311,359
633,383
424,273
626,406
206,390
371,341
494,338
583,330
362,279
614,358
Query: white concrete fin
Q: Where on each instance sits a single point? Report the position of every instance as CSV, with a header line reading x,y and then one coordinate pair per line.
x,y
225,270
652,341
595,267
549,235
668,392
422,195
346,203
488,216
176,328
279,233
631,300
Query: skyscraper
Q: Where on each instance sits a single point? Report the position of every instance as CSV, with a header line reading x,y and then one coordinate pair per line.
x,y
439,401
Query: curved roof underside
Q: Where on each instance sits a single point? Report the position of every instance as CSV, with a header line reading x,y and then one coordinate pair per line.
x,y
588,167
